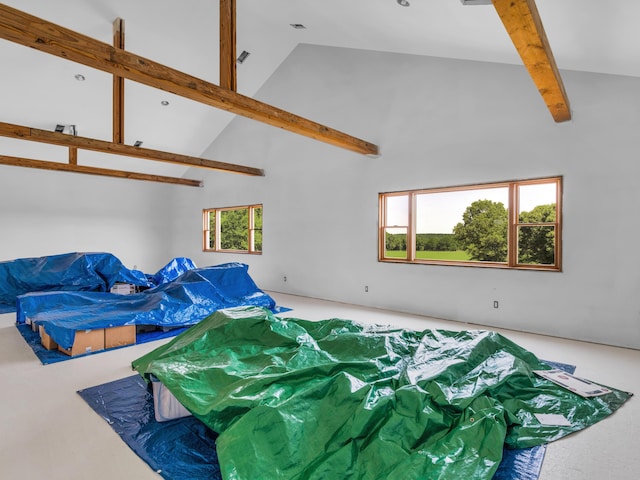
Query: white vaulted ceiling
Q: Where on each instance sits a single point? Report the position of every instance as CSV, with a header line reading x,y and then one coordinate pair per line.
x,y
39,90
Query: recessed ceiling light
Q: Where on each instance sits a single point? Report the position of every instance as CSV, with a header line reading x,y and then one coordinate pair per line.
x,y
164,103
79,77
298,26
243,56
403,3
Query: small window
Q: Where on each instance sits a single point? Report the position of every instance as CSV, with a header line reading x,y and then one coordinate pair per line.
x,y
233,229
512,224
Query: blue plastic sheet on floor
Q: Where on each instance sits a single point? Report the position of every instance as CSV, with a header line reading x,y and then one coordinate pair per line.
x,y
178,449
47,357
523,464
184,449
181,302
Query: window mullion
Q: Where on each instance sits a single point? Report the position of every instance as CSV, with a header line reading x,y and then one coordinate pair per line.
x,y
218,230
411,229
512,235
382,225
205,230
250,245
558,225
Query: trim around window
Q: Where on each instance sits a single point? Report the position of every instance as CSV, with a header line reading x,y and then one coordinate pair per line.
x,y
512,224
232,229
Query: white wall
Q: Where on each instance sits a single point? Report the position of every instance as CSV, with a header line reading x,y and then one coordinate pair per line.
x,y
438,122
47,213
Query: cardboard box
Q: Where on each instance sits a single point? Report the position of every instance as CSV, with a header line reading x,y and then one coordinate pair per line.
x,y
46,340
86,341
119,336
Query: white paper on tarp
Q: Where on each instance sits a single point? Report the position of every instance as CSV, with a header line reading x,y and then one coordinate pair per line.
x,y
553,419
582,387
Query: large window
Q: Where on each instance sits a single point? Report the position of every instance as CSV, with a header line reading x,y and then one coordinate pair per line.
x,y
233,229
514,224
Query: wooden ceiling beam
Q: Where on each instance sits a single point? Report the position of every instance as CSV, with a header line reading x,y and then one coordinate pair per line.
x,y
54,138
118,86
73,156
228,76
25,29
103,172
523,24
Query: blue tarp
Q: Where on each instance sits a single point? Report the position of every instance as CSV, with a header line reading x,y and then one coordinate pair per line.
x,y
182,449
184,301
172,270
94,272
77,272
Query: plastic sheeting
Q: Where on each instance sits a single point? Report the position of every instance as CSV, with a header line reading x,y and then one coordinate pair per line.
x,y
181,302
295,399
86,272
182,449
96,272
172,270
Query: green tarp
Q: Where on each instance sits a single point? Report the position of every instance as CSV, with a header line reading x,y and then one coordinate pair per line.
x,y
333,399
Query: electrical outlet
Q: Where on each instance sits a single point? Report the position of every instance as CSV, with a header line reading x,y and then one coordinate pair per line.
x,y
366,288
495,304
284,279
